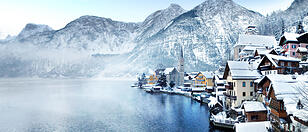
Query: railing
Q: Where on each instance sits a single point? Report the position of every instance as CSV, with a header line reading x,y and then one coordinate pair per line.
x,y
229,96
229,86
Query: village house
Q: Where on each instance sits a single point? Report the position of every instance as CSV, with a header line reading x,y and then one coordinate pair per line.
x,y
281,94
172,75
254,111
240,76
199,81
274,64
290,43
262,52
152,79
250,41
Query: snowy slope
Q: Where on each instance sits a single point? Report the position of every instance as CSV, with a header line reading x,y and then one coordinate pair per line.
x,y
197,32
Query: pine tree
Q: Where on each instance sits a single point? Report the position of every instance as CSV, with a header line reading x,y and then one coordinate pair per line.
x,y
300,28
162,80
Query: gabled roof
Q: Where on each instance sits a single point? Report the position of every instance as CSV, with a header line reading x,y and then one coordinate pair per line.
x,y
289,88
169,70
292,37
208,74
242,70
266,51
301,50
275,58
256,40
253,106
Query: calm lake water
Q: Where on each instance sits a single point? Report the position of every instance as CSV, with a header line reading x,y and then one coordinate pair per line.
x,y
94,105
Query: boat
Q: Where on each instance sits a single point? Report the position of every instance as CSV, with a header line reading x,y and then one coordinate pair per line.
x,y
156,89
134,85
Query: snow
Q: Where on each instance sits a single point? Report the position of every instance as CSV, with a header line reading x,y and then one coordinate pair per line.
x,y
256,40
291,36
253,126
243,70
286,88
212,101
252,106
272,58
302,50
168,70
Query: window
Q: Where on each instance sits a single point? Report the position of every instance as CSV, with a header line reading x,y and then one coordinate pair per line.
x,y
289,64
244,84
251,84
254,117
251,93
282,63
307,46
294,46
293,53
244,94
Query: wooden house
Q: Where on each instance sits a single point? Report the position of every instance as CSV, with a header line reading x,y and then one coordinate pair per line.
x,y
254,111
274,64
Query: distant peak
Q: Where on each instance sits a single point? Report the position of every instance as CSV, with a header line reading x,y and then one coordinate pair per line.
x,y
32,26
173,5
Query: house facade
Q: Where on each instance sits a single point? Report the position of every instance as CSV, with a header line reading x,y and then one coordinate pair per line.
x,y
240,76
254,111
280,94
252,41
290,42
274,64
172,75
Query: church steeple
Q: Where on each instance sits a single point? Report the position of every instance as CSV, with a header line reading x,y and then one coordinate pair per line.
x,y
181,66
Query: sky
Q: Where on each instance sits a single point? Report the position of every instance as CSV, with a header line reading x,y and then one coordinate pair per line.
x,y
15,14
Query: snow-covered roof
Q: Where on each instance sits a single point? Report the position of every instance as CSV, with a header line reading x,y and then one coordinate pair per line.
x,y
289,88
291,36
302,50
243,70
253,126
208,74
253,106
168,70
256,40
272,58
253,48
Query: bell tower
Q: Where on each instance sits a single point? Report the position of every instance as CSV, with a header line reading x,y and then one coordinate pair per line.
x,y
181,67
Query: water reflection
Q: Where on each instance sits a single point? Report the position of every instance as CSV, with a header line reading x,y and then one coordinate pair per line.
x,y
94,105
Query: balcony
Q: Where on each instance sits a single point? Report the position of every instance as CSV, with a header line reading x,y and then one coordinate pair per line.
x,y
229,86
229,96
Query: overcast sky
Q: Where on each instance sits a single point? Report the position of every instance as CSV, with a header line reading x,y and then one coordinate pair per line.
x,y
15,14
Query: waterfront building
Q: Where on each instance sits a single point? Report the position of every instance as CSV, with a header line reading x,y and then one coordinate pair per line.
x,y
254,111
181,69
240,76
172,75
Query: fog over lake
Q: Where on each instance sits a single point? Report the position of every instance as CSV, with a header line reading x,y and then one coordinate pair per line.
x,y
94,105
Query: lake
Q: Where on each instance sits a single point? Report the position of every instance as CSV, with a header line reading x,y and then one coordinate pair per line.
x,y
94,105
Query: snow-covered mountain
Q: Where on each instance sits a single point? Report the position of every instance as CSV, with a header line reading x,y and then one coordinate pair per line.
x,y
197,31
157,21
286,21
92,46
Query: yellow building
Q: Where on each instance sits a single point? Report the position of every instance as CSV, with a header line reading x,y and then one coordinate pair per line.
x,y
199,80
152,79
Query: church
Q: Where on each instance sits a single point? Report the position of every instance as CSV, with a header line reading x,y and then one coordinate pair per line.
x,y
174,74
